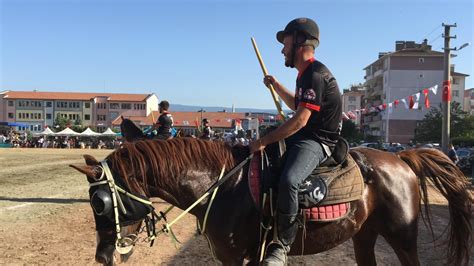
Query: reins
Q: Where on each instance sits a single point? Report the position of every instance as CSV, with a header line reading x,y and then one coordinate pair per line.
x,y
124,245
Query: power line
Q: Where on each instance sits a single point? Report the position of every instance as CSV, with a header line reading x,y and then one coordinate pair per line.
x,y
435,39
427,35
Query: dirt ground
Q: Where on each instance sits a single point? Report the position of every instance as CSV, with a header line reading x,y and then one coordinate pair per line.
x,y
45,218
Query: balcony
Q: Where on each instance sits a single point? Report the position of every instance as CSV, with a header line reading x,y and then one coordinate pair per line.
x,y
378,73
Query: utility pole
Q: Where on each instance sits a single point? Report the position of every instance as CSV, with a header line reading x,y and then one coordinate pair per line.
x,y
446,96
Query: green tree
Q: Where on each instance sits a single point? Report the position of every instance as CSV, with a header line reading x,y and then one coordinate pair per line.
x,y
430,128
78,125
61,123
351,132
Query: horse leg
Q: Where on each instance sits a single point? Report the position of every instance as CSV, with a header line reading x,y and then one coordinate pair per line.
x,y
404,242
364,242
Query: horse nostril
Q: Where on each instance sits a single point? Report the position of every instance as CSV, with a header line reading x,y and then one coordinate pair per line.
x,y
102,258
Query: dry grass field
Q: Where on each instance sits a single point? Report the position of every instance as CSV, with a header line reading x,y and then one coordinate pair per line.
x,y
45,218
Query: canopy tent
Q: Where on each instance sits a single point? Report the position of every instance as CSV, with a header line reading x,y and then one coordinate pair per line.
x,y
45,132
109,133
89,133
67,132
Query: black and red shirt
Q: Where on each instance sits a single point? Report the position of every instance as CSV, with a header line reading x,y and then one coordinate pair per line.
x,y
317,90
165,122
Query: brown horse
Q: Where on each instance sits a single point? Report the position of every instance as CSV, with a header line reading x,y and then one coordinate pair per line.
x,y
181,170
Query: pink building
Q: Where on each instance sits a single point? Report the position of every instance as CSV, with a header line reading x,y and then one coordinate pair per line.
x,y
36,110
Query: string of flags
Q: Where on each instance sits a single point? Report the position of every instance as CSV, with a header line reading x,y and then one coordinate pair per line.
x,y
237,121
410,102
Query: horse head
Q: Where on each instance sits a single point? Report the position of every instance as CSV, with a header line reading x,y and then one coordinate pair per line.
x,y
107,209
130,131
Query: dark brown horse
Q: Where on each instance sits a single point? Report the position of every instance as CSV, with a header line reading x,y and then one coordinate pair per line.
x,y
181,170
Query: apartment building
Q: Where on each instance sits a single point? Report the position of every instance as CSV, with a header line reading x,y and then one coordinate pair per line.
x,y
36,110
352,100
469,101
396,75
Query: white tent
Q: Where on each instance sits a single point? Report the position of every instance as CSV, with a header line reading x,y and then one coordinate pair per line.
x,y
46,132
89,133
67,132
109,133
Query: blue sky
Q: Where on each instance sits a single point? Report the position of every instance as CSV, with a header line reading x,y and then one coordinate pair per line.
x,y
199,52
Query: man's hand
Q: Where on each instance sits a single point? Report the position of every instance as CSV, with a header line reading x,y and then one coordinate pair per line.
x,y
269,79
256,146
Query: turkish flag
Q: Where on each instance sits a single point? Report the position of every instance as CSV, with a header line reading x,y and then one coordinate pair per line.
x,y
427,100
446,91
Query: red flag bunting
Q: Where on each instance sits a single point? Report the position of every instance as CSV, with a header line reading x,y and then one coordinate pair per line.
x,y
384,106
427,100
412,103
396,102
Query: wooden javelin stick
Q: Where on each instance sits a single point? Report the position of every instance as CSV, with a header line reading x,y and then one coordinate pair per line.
x,y
282,146
265,72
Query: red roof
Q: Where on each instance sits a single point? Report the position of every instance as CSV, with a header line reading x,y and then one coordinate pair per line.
x,y
187,119
40,95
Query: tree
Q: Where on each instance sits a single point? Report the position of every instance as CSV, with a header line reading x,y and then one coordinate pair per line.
x,y
429,129
351,132
61,123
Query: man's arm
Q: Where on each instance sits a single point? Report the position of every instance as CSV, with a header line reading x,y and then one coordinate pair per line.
x,y
287,96
290,127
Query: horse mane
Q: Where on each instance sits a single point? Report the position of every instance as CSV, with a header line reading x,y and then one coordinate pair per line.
x,y
159,163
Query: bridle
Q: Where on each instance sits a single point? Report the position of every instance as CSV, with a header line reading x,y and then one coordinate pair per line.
x,y
124,244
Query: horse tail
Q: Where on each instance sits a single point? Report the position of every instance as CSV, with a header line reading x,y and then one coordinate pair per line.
x,y
453,185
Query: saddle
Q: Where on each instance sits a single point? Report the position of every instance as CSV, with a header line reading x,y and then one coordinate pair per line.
x,y
325,195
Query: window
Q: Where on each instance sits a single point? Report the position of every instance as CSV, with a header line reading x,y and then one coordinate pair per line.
x,y
138,106
11,115
49,104
352,98
351,107
114,106
101,105
48,116
87,105
421,75
36,104
101,118
455,93
87,117
421,60
455,81
10,103
73,105
61,104
126,106
113,115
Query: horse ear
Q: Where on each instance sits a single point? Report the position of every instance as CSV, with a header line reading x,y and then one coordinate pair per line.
x,y
90,160
130,131
88,170
93,173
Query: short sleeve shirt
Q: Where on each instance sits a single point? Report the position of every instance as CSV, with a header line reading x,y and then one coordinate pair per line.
x,y
165,122
317,90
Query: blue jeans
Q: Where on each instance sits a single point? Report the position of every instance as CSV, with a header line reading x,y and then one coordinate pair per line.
x,y
303,156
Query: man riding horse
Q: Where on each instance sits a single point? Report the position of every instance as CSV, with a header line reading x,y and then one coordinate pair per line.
x,y
164,124
310,134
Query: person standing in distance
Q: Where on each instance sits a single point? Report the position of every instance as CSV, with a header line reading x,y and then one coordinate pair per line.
x,y
311,134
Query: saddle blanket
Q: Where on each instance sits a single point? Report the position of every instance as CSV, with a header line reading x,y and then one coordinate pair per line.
x,y
344,182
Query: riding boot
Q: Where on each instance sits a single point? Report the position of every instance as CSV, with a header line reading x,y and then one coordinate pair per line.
x,y
287,227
